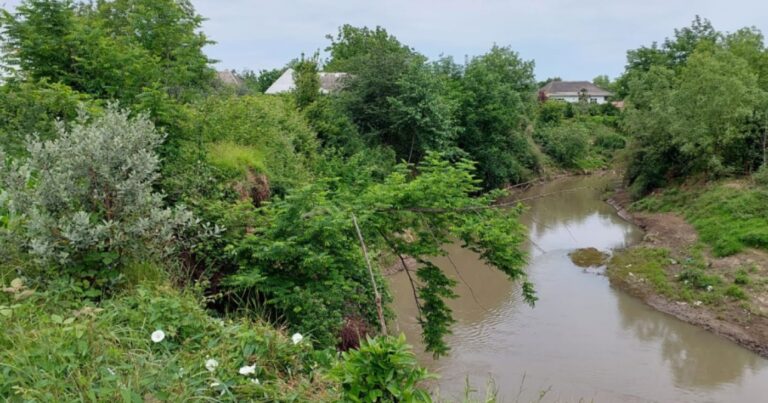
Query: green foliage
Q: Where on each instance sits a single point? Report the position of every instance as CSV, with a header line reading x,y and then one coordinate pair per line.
x,y
381,370
55,347
270,126
392,95
305,261
307,81
497,101
335,130
34,107
85,200
552,112
109,49
261,81
695,105
761,176
741,278
567,144
735,292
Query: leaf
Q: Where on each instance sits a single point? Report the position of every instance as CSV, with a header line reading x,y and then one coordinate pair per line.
x,y
57,319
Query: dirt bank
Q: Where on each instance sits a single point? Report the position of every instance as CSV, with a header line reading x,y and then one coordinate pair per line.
x,y
744,320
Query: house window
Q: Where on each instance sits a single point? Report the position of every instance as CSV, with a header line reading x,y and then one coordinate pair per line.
x,y
593,100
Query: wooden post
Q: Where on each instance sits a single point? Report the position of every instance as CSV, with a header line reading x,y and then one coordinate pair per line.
x,y
379,308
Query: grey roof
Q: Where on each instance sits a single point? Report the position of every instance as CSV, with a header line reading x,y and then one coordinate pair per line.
x,y
229,77
573,88
329,82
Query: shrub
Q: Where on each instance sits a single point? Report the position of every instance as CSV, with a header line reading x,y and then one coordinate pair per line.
x,y
381,370
566,144
761,176
86,199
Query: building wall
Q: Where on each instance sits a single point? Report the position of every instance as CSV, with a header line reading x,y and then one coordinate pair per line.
x,y
575,99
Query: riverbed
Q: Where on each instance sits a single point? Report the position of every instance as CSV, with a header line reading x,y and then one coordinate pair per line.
x,y
584,340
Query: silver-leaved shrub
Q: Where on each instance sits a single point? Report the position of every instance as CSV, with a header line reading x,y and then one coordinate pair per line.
x,y
87,196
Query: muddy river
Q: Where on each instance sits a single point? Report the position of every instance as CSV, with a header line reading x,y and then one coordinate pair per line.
x,y
584,340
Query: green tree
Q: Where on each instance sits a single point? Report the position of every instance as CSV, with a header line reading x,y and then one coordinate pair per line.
x,y
305,258
392,95
497,104
717,95
305,76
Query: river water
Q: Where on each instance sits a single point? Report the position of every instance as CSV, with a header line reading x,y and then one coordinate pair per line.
x,y
584,340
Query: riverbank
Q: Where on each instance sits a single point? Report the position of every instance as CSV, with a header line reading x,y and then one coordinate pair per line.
x,y
675,272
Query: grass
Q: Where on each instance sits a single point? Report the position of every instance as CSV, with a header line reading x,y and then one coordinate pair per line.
x,y
58,347
647,263
234,159
729,216
689,280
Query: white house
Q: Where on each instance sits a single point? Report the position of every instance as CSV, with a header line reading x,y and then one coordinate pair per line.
x,y
329,82
573,91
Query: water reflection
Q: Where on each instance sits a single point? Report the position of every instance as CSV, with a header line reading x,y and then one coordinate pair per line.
x,y
697,358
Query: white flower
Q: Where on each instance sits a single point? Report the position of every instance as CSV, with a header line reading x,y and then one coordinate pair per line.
x,y
248,370
211,364
157,336
297,338
256,381
710,288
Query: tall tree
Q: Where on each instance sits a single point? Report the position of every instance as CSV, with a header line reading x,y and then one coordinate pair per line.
x,y
497,103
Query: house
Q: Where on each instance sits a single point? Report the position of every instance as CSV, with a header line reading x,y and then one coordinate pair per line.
x,y
574,91
229,77
329,82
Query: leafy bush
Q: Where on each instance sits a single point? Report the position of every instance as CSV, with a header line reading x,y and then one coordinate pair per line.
x,y
86,200
304,262
381,370
567,144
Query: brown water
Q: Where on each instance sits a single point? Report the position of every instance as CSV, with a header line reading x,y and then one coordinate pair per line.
x,y
583,339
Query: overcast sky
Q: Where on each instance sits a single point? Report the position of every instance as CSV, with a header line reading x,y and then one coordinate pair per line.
x,y
572,39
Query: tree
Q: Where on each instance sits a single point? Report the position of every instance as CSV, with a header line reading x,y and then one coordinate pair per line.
x,y
392,95
717,95
261,81
604,82
305,258
497,103
109,49
307,81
